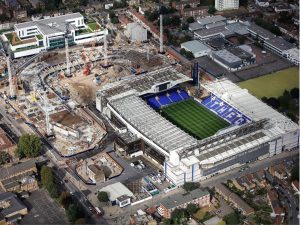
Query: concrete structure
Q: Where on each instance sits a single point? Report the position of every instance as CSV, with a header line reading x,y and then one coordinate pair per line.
x,y
95,173
196,47
11,208
204,22
221,5
32,37
234,199
257,130
118,194
19,177
136,32
6,143
198,197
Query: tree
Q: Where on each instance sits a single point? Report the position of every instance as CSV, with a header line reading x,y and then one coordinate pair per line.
x,y
103,196
295,93
4,158
65,199
80,221
285,99
190,19
72,213
211,9
192,208
46,177
295,173
29,145
178,216
167,221
3,17
52,189
190,186
273,102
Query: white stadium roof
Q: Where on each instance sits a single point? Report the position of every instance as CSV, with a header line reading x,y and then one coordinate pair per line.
x,y
151,124
248,104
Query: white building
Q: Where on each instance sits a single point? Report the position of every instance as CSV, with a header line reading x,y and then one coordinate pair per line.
x,y
136,32
196,47
32,37
226,4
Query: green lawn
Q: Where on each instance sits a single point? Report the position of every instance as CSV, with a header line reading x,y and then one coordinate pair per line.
x,y
194,119
273,85
93,26
39,37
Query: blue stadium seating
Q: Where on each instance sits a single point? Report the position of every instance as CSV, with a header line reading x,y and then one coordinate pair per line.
x,y
166,98
225,111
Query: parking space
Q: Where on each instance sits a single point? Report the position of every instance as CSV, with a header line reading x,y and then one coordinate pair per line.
x,y
43,210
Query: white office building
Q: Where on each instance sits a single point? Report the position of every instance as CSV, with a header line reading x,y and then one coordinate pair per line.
x,y
32,37
226,4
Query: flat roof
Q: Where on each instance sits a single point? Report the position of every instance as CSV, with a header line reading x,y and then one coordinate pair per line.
x,y
280,43
227,56
261,31
238,28
116,190
50,25
180,199
195,46
195,26
66,118
211,19
210,32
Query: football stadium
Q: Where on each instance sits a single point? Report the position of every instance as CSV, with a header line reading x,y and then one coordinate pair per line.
x,y
192,138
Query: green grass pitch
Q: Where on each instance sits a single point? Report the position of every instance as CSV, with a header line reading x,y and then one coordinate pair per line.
x,y
194,118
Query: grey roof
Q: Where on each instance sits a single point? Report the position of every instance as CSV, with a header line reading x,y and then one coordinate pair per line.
x,y
210,32
261,31
179,199
123,198
46,25
280,43
194,46
211,19
227,56
15,203
127,137
217,24
238,28
195,26
10,171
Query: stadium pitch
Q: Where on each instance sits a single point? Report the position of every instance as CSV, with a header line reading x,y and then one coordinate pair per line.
x,y
194,118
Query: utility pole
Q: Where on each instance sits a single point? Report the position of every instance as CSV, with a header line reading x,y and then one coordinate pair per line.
x,y
68,70
161,34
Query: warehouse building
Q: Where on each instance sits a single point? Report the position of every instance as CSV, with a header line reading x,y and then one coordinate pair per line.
x,y
196,47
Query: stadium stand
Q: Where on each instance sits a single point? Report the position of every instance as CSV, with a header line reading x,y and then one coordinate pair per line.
x,y
162,99
225,111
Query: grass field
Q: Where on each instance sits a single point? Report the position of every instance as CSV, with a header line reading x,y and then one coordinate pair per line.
x,y
273,85
194,119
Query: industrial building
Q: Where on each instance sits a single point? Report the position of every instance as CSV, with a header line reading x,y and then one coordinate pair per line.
x,y
257,131
136,32
196,47
32,37
226,4
234,58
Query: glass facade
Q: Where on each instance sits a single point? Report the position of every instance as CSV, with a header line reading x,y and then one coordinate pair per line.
x,y
60,42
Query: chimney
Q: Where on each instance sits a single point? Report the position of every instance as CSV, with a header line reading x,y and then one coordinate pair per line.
x,y
161,34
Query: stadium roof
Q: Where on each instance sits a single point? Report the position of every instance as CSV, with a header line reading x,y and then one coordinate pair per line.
x,y
151,124
248,104
280,43
50,25
211,19
194,46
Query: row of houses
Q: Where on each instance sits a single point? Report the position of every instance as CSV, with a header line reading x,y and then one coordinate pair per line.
x,y
251,181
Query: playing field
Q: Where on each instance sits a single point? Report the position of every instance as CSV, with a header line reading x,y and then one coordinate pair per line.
x,y
194,119
273,85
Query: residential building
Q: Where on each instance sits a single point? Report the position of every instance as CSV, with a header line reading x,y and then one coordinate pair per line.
x,y
169,204
6,143
196,47
221,5
95,173
182,4
238,185
275,204
19,177
11,208
32,37
260,179
279,171
197,12
118,194
234,199
295,186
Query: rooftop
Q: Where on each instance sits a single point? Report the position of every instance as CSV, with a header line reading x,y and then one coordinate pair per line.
x,y
211,32
179,199
50,25
211,19
15,204
116,190
194,46
261,31
280,43
66,118
5,141
15,169
227,56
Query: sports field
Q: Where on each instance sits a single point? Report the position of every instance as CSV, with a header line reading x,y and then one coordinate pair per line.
x,y
273,85
194,118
